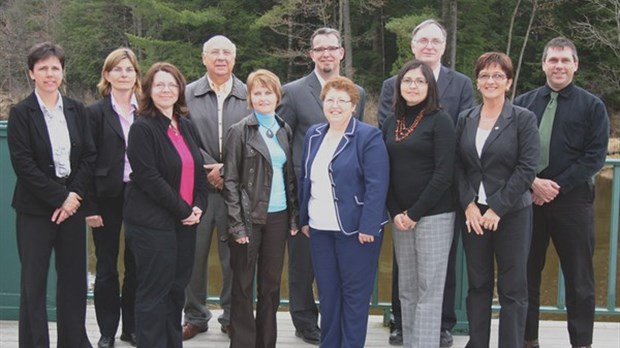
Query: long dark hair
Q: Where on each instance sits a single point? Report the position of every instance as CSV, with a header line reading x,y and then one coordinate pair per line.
x,y
431,103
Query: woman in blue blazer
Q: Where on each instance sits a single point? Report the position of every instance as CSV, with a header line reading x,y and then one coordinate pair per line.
x,y
52,154
343,188
497,155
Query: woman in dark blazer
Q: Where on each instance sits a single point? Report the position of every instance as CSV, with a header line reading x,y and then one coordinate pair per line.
x,y
497,155
52,154
110,119
343,187
420,141
163,205
261,195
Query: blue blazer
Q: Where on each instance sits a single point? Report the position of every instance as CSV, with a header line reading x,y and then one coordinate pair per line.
x,y
359,172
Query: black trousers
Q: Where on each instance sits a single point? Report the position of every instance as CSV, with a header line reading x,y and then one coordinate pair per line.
x,y
37,236
110,301
569,222
164,259
303,309
265,253
508,247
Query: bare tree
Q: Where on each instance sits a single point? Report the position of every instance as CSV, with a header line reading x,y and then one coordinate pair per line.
x,y
449,17
348,46
527,35
512,24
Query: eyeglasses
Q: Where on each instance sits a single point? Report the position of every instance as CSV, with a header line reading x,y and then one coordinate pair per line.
x,y
120,70
425,41
214,53
332,101
330,49
495,77
416,82
161,86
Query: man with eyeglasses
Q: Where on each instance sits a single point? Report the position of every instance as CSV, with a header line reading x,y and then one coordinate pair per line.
x,y
428,44
574,132
216,101
301,107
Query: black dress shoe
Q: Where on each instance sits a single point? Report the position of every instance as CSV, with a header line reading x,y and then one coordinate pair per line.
x,y
445,339
396,337
129,337
312,336
106,342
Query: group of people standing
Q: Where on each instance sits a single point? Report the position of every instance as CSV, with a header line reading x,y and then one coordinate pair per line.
x,y
280,160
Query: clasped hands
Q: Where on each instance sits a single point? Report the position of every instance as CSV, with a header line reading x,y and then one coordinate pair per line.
x,y
193,218
476,221
544,191
69,207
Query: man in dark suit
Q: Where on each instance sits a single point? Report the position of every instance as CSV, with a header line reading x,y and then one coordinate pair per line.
x,y
301,107
428,44
574,134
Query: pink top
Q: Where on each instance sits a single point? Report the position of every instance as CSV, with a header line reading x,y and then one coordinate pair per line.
x,y
187,169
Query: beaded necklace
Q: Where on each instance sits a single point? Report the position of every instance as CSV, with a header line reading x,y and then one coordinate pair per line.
x,y
402,131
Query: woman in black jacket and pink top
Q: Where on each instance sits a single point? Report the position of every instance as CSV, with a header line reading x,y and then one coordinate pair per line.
x,y
163,205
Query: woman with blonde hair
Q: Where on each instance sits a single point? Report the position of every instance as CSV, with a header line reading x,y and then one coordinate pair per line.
x,y
110,119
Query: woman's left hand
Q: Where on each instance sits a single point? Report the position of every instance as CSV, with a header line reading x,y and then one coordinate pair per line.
x,y
365,238
193,218
490,220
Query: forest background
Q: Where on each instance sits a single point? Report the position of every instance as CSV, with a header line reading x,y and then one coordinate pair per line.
x,y
274,34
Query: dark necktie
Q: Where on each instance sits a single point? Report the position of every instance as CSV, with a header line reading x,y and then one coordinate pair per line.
x,y
544,131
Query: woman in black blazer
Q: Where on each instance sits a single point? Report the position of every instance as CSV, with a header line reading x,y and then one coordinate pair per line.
x,y
52,154
163,205
497,155
110,119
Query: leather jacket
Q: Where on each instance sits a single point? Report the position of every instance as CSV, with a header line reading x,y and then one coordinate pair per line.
x,y
248,176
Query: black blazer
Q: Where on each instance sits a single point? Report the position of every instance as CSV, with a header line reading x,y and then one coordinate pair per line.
x,y
507,166
152,196
107,134
37,190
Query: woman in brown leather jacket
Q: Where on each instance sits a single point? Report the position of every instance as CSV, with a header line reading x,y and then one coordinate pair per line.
x,y
261,195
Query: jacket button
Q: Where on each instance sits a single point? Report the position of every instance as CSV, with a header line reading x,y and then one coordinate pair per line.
x,y
251,170
250,184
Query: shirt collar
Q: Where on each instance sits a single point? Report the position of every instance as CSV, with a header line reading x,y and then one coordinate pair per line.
x,y
133,102
436,72
318,76
225,88
58,106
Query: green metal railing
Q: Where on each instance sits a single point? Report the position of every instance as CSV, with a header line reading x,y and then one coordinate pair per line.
x,y
9,276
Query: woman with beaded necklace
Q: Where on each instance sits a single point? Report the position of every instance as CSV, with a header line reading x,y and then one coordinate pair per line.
x,y
420,140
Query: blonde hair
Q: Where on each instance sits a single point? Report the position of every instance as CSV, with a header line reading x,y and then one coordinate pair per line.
x,y
110,62
264,78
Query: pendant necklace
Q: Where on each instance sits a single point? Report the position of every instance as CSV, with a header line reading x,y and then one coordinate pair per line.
x,y
269,132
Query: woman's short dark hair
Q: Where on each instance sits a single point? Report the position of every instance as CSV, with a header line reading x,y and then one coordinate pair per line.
x,y
431,103
43,51
494,58
147,107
